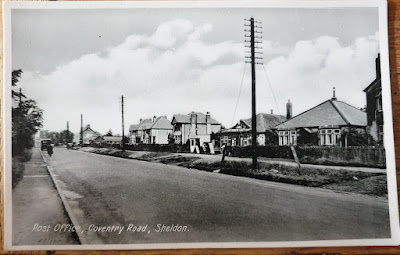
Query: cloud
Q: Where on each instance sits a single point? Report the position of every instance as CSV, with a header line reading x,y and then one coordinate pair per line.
x,y
311,70
175,70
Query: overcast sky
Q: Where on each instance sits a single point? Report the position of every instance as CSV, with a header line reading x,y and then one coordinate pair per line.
x,y
169,61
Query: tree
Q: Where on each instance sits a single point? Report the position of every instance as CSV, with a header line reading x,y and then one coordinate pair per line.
x,y
66,136
355,138
109,133
27,119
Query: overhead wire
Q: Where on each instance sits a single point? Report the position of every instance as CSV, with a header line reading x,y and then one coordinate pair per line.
x,y
240,91
273,94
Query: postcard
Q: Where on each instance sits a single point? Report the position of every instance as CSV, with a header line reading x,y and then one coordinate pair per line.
x,y
197,124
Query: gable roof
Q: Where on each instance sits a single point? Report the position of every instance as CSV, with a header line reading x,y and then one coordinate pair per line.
x,y
162,123
328,113
265,121
185,118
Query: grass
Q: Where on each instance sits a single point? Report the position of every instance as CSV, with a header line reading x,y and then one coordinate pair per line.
x,y
322,177
18,166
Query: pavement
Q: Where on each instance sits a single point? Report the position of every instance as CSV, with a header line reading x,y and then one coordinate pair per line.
x,y
36,204
164,203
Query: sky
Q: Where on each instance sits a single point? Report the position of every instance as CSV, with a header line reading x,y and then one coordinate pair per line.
x,y
174,61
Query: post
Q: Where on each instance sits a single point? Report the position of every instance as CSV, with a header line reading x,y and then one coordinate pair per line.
x,y
81,140
253,98
20,98
68,132
123,131
253,63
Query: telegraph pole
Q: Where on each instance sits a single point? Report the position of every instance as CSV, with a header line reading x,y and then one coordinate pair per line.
x,y
253,45
123,126
20,97
67,132
81,139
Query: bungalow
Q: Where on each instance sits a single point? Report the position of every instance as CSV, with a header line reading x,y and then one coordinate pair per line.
x,y
195,127
374,105
240,134
151,131
107,140
325,124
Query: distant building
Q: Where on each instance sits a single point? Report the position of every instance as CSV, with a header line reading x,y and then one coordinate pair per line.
x,y
88,135
374,105
151,131
240,134
194,127
325,124
108,141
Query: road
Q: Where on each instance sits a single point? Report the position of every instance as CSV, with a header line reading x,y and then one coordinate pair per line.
x,y
110,191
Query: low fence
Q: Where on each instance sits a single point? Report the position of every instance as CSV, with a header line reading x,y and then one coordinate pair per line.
x,y
159,147
350,156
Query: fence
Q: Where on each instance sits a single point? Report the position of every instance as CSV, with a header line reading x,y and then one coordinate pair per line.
x,y
159,147
350,156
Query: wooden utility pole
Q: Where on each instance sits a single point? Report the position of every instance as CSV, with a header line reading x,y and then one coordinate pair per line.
x,y
68,132
20,98
123,126
81,139
253,45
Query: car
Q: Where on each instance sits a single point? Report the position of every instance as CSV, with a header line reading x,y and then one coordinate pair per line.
x,y
44,143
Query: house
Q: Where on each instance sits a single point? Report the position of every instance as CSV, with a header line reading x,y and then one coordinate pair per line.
x,y
194,127
151,131
374,105
325,124
240,134
107,141
88,135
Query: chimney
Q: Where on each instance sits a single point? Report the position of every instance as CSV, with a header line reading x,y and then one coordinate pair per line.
x,y
378,66
272,111
208,122
334,94
140,120
193,121
154,118
288,110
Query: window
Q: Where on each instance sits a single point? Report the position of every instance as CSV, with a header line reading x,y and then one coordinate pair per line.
x,y
329,136
287,137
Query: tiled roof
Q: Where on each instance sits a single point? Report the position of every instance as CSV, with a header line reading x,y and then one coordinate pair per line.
x,y
162,123
185,118
133,128
265,121
112,138
328,113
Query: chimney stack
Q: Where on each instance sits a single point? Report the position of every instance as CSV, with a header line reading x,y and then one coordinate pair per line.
x,y
154,118
378,66
334,94
288,110
272,111
208,122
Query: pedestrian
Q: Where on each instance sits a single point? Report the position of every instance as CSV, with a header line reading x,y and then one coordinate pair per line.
x,y
50,149
223,151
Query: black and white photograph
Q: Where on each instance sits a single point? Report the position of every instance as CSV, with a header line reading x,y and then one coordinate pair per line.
x,y
198,124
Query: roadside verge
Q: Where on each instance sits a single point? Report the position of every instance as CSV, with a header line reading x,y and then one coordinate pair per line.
x,y
344,179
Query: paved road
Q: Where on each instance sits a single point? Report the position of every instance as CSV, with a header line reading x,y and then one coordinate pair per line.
x,y
109,191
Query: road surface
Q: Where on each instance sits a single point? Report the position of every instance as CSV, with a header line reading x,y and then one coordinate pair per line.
x,y
199,206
